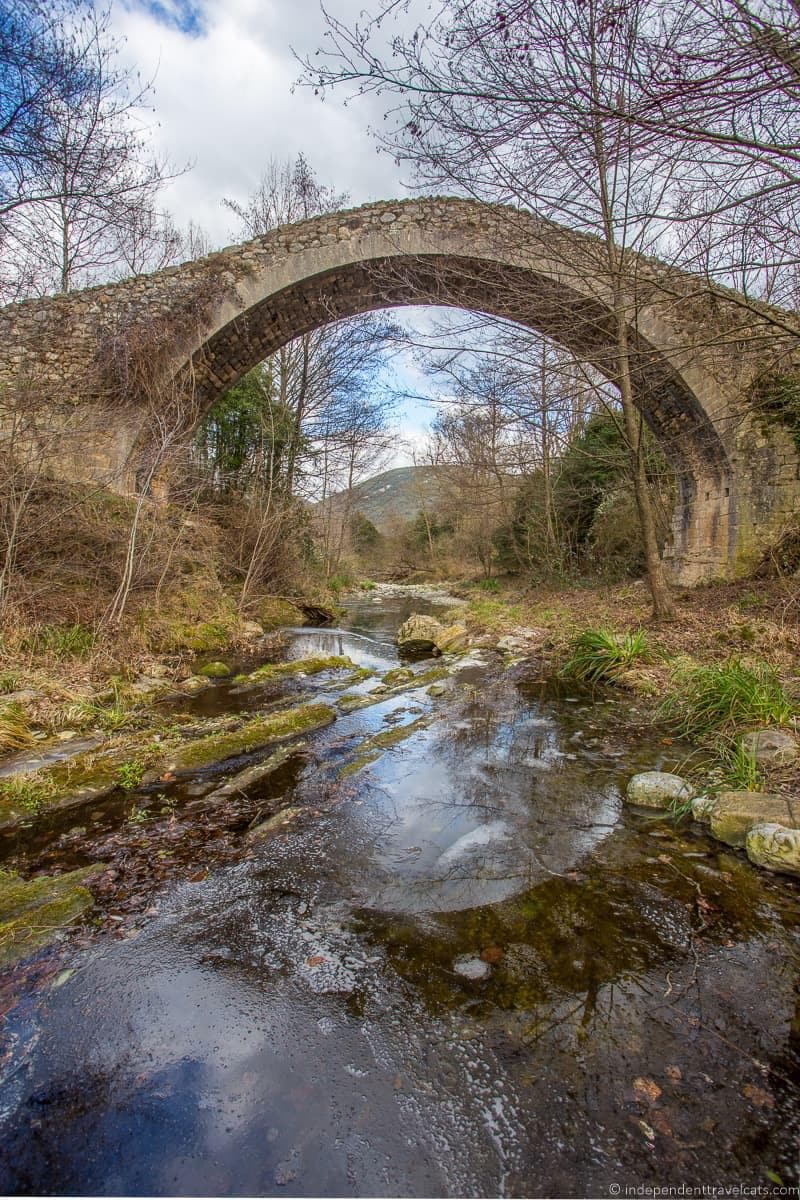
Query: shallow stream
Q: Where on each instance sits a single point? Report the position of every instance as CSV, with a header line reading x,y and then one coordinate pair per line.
x,y
465,969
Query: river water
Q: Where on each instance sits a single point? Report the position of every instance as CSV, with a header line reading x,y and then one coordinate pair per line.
x,y
464,970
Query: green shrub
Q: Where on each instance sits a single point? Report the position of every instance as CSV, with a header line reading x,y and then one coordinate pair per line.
x,y
598,655
131,773
725,696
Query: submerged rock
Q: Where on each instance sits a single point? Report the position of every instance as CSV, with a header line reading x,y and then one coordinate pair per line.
x,y
279,821
419,633
771,746
775,847
658,789
473,968
34,911
735,813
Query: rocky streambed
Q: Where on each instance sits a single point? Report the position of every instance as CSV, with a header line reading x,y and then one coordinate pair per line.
x,y
411,941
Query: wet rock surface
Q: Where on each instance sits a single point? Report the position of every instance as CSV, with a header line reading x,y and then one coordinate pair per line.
x,y
658,789
468,968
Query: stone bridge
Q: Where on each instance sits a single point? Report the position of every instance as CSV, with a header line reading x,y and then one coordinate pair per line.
x,y
115,353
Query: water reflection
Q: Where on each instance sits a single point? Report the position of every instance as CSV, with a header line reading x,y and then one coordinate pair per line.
x,y
466,970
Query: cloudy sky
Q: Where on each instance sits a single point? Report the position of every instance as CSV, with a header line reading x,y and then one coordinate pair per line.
x,y
224,102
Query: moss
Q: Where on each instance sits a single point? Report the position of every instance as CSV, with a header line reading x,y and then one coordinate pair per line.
x,y
397,675
254,735
378,695
32,912
373,747
215,670
23,795
274,612
301,666
778,397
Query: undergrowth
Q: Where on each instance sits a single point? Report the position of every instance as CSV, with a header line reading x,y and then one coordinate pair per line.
x,y
725,696
598,655
15,730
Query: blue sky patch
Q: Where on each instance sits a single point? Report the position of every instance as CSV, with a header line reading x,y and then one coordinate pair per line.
x,y
185,15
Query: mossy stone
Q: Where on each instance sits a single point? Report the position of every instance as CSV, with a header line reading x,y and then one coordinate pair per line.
x,y
736,813
775,847
33,912
397,675
215,670
253,735
313,665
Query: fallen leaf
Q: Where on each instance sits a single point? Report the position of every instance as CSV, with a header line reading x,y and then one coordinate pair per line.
x,y
315,960
646,1090
198,876
757,1096
660,1122
647,1130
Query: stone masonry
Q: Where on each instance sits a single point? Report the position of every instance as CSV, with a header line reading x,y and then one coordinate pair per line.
x,y
117,353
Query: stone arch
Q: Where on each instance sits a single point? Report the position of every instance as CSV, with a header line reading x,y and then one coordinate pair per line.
x,y
694,355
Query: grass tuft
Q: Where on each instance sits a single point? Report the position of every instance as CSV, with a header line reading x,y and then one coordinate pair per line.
x,y
15,730
740,769
598,656
725,696
63,641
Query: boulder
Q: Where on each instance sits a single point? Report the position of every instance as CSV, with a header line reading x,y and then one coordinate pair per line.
x,y
775,847
702,808
195,683
398,675
510,644
735,813
215,670
771,746
418,633
658,789
451,639
252,630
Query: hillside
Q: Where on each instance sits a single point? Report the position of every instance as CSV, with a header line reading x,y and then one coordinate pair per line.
x,y
396,495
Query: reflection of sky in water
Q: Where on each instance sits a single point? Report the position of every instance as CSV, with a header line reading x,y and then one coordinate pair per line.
x,y
364,651
254,1040
471,816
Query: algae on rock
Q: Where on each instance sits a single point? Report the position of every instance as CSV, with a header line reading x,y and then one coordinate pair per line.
x,y
33,912
253,735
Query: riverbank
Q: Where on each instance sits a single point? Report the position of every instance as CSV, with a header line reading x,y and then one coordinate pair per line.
x,y
332,955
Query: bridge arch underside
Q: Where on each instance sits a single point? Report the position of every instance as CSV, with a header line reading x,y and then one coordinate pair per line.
x,y
704,522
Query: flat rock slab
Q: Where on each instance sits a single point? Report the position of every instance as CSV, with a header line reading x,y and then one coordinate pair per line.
x,y
735,813
771,746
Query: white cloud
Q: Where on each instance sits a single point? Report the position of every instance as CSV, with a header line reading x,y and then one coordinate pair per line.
x,y
224,102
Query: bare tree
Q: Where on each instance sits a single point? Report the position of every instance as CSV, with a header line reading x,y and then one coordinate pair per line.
x,y
82,200
532,103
